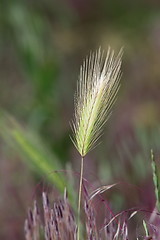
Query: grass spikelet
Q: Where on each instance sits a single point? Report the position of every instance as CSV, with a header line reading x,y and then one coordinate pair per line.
x,y
101,190
155,180
96,91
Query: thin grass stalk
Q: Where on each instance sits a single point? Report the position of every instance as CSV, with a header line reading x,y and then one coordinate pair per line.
x,y
80,196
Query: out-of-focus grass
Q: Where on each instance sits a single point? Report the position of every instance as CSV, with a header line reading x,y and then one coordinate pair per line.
x,y
29,146
28,33
135,151
130,164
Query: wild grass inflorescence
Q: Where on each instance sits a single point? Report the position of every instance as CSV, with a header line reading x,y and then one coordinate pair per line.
x,y
96,92
59,222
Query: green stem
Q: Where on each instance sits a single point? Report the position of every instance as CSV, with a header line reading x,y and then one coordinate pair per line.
x,y
79,197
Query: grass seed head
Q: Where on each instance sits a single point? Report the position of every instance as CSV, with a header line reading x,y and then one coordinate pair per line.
x,y
96,91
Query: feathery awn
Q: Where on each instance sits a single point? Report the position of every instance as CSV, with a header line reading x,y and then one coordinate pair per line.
x,y
96,91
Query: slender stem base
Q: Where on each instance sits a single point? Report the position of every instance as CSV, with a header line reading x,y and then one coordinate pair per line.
x,y
79,197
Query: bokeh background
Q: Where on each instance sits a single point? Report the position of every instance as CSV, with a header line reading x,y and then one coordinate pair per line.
x,y
42,45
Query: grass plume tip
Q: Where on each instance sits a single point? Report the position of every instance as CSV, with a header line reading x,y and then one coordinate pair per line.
x,y
96,91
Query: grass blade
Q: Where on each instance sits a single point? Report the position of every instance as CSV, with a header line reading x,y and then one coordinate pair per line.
x,y
155,180
28,145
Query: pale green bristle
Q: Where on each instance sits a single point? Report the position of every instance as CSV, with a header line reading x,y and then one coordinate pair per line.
x,y
97,87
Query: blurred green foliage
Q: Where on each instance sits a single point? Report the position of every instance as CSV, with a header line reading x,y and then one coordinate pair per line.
x,y
28,31
33,151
